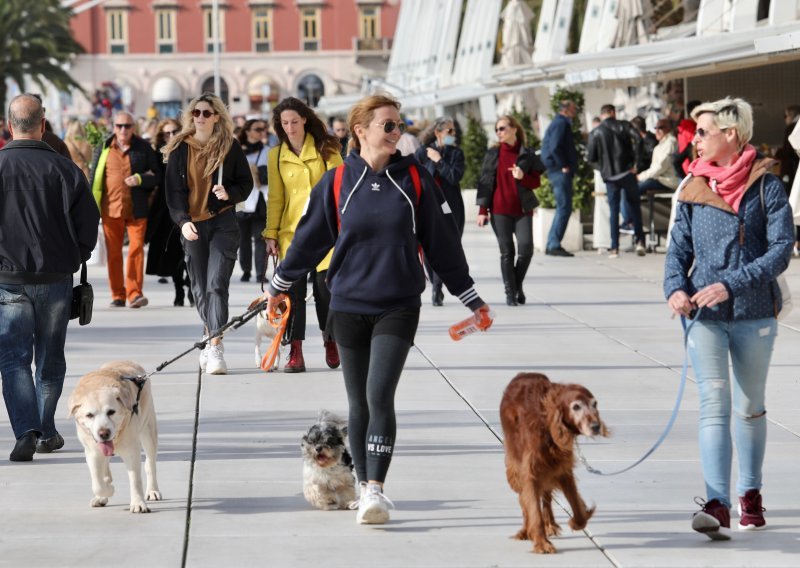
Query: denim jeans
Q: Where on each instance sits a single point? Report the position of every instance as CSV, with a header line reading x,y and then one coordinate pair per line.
x,y
629,185
562,189
748,343
33,329
644,186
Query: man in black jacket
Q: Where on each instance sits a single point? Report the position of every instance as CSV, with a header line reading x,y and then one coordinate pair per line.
x,y
124,172
615,148
48,226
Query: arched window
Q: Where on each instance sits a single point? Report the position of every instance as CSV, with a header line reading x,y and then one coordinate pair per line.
x,y
310,89
208,86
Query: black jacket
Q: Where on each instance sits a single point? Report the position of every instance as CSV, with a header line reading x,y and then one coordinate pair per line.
x,y
144,161
448,173
48,218
375,265
236,178
527,161
614,147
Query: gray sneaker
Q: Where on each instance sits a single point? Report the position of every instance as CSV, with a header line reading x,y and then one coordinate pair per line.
x,y
373,507
203,359
215,364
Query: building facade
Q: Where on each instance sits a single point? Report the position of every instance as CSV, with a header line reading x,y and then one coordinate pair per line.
x,y
160,53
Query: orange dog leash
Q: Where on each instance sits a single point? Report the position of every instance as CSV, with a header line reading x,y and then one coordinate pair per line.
x,y
279,319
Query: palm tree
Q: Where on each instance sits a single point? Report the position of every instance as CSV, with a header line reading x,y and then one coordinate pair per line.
x,y
37,42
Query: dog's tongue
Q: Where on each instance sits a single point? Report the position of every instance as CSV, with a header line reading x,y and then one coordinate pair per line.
x,y
107,448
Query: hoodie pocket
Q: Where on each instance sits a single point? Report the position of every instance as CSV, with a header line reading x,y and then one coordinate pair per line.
x,y
378,274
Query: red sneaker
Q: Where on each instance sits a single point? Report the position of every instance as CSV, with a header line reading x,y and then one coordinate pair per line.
x,y
296,362
751,513
713,517
331,354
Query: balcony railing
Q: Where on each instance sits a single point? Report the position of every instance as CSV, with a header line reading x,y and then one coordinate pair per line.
x,y
372,47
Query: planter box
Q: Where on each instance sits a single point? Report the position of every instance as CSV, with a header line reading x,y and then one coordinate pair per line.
x,y
543,220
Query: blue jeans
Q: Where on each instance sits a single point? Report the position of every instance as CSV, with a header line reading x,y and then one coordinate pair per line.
x,y
629,185
33,328
748,343
562,188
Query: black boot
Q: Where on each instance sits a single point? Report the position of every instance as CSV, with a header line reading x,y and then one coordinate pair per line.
x,y
179,295
520,270
437,296
509,279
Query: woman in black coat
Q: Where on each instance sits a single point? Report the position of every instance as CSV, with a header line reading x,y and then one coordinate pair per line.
x,y
445,162
165,254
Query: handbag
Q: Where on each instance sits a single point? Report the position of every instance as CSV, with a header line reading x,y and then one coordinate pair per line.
x,y
82,300
783,285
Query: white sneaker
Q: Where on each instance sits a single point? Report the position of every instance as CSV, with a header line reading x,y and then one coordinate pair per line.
x,y
203,359
640,250
215,365
373,507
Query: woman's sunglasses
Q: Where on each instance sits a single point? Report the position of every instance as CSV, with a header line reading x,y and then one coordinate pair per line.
x,y
206,113
390,125
500,129
169,132
261,129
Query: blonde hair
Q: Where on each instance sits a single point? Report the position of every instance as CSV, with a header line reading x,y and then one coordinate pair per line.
x,y
363,112
221,139
75,131
730,113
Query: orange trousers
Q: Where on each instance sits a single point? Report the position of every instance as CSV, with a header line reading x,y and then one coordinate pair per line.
x,y
127,286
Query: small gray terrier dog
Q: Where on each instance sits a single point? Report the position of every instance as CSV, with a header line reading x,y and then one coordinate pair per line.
x,y
328,479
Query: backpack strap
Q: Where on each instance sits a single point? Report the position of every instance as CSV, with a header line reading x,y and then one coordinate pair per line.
x,y
337,190
412,169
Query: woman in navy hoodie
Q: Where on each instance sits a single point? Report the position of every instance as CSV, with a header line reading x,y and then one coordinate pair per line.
x,y
386,207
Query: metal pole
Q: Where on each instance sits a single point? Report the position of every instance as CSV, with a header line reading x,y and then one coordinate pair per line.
x,y
215,35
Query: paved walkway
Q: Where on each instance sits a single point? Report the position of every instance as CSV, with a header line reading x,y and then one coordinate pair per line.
x,y
229,461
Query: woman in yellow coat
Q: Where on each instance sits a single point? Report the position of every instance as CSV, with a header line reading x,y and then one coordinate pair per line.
x,y
306,151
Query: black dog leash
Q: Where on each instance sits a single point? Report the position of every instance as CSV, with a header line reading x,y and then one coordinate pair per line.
x,y
234,323
672,418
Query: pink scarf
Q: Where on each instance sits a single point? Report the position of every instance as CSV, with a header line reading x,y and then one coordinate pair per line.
x,y
729,182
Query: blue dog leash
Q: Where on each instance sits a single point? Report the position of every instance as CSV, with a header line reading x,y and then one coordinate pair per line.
x,y
670,423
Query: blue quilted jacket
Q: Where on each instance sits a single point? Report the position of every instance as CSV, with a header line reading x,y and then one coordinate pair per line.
x,y
745,251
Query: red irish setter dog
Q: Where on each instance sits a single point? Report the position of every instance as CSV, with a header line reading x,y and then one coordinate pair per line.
x,y
540,422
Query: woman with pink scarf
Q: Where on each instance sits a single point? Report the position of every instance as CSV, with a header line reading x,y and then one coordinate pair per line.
x,y
732,238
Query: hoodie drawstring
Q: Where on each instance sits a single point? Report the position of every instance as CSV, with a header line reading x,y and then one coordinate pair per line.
x,y
355,187
410,204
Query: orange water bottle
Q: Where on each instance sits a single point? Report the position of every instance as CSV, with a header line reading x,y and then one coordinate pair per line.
x,y
480,321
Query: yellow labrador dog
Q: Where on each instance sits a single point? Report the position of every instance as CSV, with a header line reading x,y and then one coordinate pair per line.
x,y
114,415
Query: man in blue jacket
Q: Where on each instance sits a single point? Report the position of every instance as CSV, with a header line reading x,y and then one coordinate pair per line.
x,y
48,226
561,160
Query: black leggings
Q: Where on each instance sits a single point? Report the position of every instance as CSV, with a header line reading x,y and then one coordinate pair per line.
x,y
373,351
506,228
322,299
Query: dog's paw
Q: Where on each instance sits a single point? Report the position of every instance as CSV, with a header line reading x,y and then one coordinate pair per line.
x,y
521,535
98,501
545,547
553,530
579,522
153,495
139,507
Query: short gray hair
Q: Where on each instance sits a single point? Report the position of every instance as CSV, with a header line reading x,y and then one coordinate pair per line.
x,y
730,113
440,123
28,118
